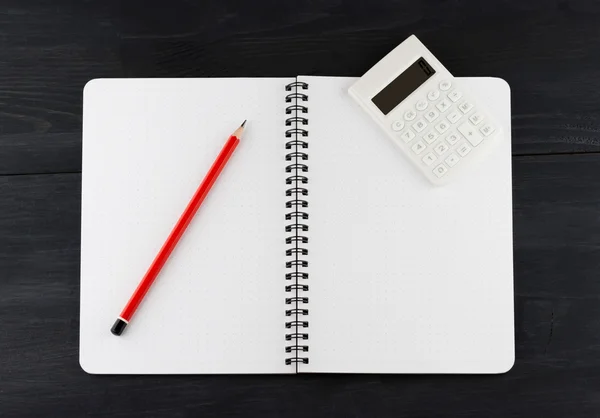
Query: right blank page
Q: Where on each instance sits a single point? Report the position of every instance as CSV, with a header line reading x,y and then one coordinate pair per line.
x,y
405,277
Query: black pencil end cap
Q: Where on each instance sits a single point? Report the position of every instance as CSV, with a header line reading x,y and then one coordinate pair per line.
x,y
118,327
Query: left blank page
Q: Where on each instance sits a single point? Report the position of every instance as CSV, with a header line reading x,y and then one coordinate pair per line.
x,y
218,305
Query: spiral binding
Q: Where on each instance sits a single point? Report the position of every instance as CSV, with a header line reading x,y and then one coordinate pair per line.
x,y
297,192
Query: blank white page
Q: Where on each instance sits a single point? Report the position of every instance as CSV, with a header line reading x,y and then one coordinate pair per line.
x,y
218,305
405,277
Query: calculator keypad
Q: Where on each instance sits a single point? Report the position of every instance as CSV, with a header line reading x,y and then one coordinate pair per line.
x,y
407,135
430,137
455,95
410,115
452,138
454,116
464,149
443,105
441,148
470,132
429,158
440,170
442,127
418,147
452,160
419,125
465,107
433,95
397,125
445,85
431,115
476,118
487,130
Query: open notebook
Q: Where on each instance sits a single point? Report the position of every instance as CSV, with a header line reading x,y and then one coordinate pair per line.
x,y
372,271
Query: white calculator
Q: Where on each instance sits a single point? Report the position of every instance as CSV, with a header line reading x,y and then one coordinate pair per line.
x,y
438,124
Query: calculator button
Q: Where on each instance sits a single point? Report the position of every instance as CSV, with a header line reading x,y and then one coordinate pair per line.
x,y
429,158
397,125
433,95
430,137
422,105
407,136
441,148
487,129
440,170
464,149
452,160
442,127
452,138
445,85
470,133
419,125
443,105
410,115
418,147
454,95
476,118
431,115
465,107
454,116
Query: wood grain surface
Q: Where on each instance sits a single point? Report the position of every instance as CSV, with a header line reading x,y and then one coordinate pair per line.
x,y
549,52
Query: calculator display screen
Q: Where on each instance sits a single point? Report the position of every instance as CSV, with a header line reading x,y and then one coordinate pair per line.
x,y
407,82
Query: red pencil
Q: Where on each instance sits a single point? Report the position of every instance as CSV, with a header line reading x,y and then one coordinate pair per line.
x,y
177,232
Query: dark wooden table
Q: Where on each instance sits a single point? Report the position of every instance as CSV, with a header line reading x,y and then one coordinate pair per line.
x,y
549,52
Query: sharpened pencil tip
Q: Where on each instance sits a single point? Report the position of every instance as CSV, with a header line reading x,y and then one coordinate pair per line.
x,y
243,123
238,132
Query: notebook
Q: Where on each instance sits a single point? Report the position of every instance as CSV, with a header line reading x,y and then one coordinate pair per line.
x,y
319,250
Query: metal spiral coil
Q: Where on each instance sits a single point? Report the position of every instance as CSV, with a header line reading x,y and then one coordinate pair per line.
x,y
296,252
295,119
